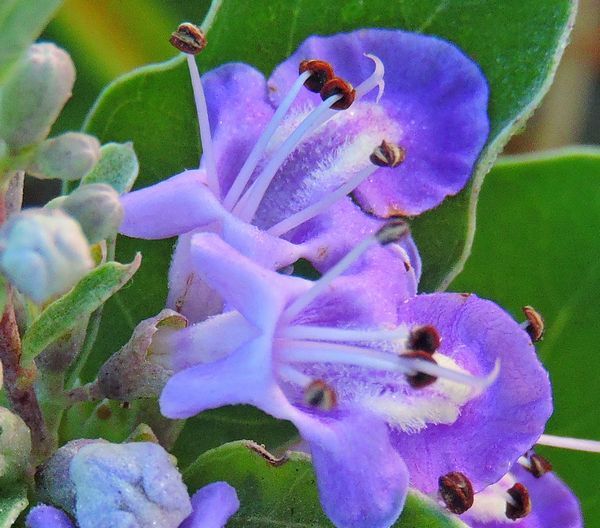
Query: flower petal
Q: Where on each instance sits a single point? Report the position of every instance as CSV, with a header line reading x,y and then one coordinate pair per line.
x,y
44,516
436,94
514,410
171,207
362,480
212,506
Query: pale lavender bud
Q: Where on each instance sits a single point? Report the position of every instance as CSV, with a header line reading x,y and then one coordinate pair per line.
x,y
96,207
43,253
142,367
69,156
34,95
15,446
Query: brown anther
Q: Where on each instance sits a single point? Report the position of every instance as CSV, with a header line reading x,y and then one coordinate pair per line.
x,y
321,73
388,155
419,380
188,38
103,412
456,491
337,86
522,503
393,231
425,338
538,465
320,395
260,449
535,323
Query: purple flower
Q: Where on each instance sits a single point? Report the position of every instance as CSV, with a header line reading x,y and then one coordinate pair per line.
x,y
126,486
367,382
273,182
551,502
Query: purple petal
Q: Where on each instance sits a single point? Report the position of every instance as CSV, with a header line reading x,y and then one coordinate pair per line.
x,y
171,207
213,505
44,516
238,109
434,92
362,480
494,429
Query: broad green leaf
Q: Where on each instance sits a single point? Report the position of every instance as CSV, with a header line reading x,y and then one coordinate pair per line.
x,y
65,313
118,167
286,495
537,244
13,501
21,22
516,42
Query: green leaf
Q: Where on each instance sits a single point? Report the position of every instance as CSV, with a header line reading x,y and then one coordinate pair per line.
x,y
516,42
21,22
87,295
537,244
12,502
118,167
286,495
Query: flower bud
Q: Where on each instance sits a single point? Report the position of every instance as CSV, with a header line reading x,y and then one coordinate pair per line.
x,y
67,157
43,253
15,446
96,207
141,368
34,95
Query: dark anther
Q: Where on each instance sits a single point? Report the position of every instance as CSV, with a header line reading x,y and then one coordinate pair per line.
x,y
456,491
538,465
393,231
419,379
103,412
522,502
425,338
188,38
260,449
388,155
319,394
337,86
535,323
321,73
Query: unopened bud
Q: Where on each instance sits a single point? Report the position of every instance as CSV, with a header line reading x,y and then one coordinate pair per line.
x,y
67,157
96,207
15,446
34,95
43,253
142,367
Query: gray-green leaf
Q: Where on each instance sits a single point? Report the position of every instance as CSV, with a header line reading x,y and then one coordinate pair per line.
x,y
118,167
89,294
13,501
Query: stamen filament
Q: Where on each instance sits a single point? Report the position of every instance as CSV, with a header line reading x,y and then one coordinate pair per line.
x,y
320,285
247,169
376,79
249,202
313,210
576,444
311,352
204,126
294,376
322,333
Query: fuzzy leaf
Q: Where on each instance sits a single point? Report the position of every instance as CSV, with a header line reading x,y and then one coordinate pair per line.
x,y
118,167
12,502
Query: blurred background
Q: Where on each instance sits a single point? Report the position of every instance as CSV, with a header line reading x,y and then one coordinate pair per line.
x,y
107,38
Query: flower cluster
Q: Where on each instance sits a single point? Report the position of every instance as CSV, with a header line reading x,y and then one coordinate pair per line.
x,y
390,389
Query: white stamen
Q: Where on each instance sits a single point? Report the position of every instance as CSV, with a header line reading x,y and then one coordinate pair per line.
x,y
311,352
576,444
291,375
376,79
306,214
254,157
322,333
525,462
204,126
249,202
320,285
